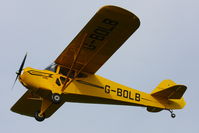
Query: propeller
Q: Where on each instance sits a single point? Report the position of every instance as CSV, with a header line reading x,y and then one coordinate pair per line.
x,y
20,69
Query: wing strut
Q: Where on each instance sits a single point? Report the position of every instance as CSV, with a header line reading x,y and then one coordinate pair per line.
x,y
68,81
76,55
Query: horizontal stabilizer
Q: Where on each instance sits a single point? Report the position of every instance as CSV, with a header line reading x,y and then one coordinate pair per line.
x,y
169,90
173,92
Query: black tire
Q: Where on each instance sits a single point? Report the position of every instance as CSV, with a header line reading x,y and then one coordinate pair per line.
x,y
56,98
38,117
173,115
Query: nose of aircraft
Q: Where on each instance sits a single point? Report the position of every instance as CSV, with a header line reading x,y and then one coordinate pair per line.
x,y
26,79
29,79
23,77
35,79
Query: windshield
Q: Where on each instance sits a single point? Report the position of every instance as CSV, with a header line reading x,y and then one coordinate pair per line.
x,y
52,67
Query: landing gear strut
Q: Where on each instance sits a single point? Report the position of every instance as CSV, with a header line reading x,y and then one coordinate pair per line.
x,y
172,114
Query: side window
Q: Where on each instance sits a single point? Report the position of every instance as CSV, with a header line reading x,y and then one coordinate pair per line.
x,y
58,82
64,71
63,80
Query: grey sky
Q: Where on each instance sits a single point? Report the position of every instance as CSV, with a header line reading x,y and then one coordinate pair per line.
x,y
164,47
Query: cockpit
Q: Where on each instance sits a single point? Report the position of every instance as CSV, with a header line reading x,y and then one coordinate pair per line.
x,y
64,71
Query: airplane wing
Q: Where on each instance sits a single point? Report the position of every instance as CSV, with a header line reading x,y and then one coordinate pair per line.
x,y
29,103
109,28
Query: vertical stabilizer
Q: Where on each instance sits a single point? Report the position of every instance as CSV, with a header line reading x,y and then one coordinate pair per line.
x,y
163,85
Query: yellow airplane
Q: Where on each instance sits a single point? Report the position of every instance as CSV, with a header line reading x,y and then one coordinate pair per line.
x,y
72,78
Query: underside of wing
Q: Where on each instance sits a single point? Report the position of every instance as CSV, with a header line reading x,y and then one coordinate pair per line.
x,y
29,103
109,28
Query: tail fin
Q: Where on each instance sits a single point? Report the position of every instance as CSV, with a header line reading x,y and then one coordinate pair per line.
x,y
168,89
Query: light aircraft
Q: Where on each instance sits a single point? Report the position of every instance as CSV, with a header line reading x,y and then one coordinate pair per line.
x,y
72,78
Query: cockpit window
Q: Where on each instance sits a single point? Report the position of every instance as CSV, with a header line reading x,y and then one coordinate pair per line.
x,y
64,71
51,67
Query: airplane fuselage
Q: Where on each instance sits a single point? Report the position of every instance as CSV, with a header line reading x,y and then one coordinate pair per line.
x,y
89,89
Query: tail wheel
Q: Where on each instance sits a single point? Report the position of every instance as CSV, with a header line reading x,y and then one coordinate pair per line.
x,y
173,115
39,117
56,98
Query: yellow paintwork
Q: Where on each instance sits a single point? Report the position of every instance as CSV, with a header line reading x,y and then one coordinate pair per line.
x,y
164,84
104,34
35,79
96,86
116,91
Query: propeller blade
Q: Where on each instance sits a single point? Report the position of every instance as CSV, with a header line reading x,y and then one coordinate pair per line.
x,y
20,70
15,81
22,65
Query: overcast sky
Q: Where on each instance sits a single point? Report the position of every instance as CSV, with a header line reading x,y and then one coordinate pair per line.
x,y
165,46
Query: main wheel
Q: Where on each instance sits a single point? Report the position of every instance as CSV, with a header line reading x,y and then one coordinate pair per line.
x,y
56,98
39,117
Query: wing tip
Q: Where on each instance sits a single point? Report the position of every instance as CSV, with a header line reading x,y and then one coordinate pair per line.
x,y
120,9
